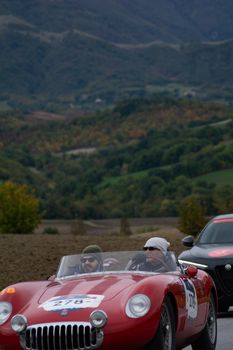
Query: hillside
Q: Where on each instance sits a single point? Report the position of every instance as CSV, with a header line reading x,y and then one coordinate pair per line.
x,y
139,159
89,54
125,21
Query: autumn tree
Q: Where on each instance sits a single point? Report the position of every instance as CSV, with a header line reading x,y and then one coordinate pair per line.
x,y
192,216
223,199
19,209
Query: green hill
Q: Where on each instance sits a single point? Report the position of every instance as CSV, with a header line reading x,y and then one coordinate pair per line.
x,y
221,177
141,158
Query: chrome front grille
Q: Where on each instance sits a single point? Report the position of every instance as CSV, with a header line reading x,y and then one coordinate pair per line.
x,y
62,336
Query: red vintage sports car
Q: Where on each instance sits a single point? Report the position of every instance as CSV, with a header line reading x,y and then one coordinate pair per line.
x,y
118,307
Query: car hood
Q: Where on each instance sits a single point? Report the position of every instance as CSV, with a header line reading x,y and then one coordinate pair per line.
x,y
74,300
212,251
107,286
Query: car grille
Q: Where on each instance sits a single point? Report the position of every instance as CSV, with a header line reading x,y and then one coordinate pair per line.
x,y
62,336
225,279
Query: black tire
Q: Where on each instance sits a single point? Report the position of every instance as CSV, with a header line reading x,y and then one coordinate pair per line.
x,y
164,338
208,337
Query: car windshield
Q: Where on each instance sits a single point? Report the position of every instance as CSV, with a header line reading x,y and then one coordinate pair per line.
x,y
109,262
217,232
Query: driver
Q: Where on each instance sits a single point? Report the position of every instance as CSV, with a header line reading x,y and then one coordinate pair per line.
x,y
91,259
156,257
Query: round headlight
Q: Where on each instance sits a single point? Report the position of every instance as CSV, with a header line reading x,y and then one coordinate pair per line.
x,y
5,311
98,319
18,323
137,306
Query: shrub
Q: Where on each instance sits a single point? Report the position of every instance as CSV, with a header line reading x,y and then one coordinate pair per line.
x,y
192,216
19,209
51,231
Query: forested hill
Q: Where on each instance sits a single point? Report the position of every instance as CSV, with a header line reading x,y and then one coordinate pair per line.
x,y
140,159
123,21
88,54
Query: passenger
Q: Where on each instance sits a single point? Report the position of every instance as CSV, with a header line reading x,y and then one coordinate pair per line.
x,y
91,259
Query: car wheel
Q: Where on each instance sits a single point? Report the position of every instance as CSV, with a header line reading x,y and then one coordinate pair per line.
x,y
208,337
164,338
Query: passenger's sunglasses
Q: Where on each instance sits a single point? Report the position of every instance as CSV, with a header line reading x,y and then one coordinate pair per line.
x,y
149,248
91,260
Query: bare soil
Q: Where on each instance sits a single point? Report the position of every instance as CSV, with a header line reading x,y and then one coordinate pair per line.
x,y
36,256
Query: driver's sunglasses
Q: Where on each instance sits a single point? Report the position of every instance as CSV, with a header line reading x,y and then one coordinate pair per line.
x,y
149,248
91,260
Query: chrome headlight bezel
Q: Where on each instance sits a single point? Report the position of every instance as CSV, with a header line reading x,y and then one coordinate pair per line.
x,y
138,306
98,318
5,311
18,323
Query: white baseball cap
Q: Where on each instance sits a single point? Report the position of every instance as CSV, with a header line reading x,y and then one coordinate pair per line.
x,y
158,243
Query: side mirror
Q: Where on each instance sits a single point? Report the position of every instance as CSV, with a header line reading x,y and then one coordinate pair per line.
x,y
188,241
191,271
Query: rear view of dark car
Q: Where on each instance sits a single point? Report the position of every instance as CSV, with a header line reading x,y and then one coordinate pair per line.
x,y
213,252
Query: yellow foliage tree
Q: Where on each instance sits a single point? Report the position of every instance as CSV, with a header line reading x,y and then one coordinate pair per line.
x,y
19,209
192,216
